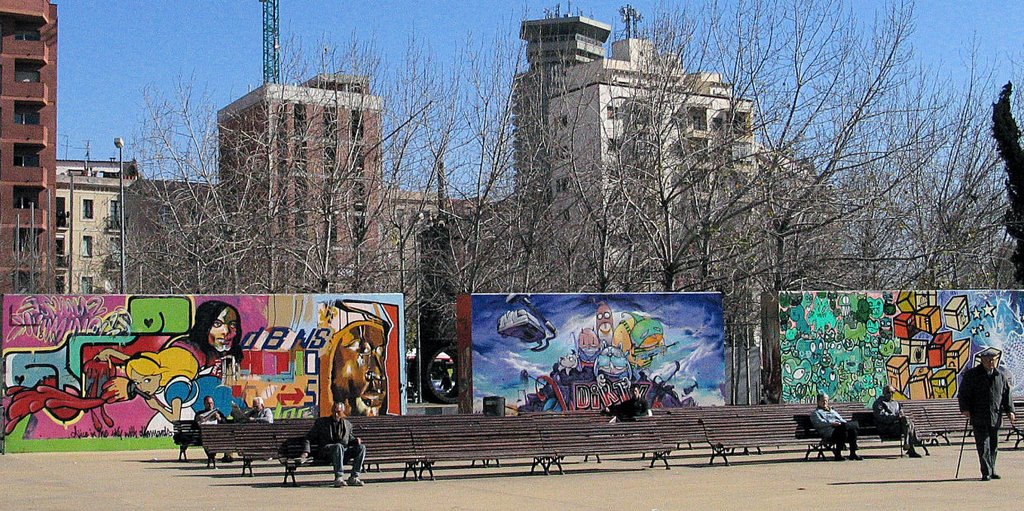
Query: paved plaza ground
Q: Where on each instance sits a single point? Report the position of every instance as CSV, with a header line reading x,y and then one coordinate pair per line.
x,y
778,480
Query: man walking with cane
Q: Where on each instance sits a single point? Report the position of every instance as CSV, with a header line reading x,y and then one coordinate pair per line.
x,y
984,396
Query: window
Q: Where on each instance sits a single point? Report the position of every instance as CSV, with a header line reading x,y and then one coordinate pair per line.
x,y
115,209
26,33
62,213
612,111
26,72
614,144
330,156
739,123
717,122
26,114
331,122
360,162
698,119
86,246
25,157
299,113
356,125
86,287
60,285
59,246
26,197
87,208
28,241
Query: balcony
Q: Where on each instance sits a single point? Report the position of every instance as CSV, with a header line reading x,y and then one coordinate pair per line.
x,y
62,260
23,217
26,91
15,174
34,134
27,50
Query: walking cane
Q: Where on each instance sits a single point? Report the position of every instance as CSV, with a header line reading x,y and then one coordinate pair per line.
x,y
961,457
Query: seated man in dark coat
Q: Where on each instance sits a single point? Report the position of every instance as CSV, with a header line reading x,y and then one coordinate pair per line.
x,y
629,409
337,444
892,422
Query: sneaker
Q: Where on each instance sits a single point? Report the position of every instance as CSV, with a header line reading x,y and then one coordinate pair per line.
x,y
913,454
996,476
339,482
856,457
355,481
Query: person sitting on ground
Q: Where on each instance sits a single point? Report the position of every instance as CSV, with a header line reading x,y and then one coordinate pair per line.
x,y
337,444
257,413
629,409
834,428
891,421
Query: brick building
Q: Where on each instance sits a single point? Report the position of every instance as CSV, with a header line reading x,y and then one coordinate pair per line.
x,y
28,153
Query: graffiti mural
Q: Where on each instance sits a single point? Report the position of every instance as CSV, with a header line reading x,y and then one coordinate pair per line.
x,y
93,367
850,344
555,352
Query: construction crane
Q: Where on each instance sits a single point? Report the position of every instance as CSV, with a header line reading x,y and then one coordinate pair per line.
x,y
271,41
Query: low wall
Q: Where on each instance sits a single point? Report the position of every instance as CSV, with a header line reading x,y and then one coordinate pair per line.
x,y
109,372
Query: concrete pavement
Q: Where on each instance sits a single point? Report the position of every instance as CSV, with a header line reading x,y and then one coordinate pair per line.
x,y
776,480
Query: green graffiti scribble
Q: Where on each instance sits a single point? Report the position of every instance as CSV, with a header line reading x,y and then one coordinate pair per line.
x,y
160,315
822,315
857,334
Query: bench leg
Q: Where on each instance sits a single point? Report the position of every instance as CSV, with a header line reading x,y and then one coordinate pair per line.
x,y
289,471
247,465
428,466
716,451
409,465
660,455
182,456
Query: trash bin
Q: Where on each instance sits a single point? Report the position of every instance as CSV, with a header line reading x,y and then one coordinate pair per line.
x,y
494,406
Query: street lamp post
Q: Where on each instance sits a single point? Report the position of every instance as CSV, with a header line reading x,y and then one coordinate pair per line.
x,y
119,143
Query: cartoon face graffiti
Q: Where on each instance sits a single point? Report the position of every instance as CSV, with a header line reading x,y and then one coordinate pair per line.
x,y
224,330
569,361
604,322
613,363
357,368
588,346
648,341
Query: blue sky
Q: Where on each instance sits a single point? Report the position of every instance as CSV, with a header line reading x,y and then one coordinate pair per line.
x,y
110,52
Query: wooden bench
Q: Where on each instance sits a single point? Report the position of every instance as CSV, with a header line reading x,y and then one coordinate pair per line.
x,y
217,438
383,445
186,434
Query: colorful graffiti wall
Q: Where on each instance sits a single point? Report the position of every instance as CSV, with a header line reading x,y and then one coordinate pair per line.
x,y
554,352
850,344
112,371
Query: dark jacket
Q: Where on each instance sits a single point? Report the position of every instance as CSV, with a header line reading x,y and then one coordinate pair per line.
x,y
986,396
328,431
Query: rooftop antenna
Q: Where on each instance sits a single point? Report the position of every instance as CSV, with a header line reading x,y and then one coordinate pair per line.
x,y
632,18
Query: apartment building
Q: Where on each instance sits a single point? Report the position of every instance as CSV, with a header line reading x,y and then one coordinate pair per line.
x,y
28,125
308,156
88,225
580,111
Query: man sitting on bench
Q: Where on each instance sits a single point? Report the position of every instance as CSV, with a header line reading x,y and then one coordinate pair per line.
x,y
337,444
258,413
629,409
892,422
834,428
